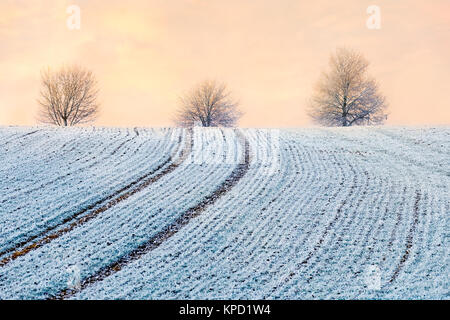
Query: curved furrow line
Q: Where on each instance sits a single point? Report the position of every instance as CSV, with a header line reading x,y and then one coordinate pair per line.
x,y
382,240
393,235
330,268
399,209
420,264
108,163
182,288
61,200
6,137
375,233
430,256
188,227
362,218
267,235
181,248
233,254
168,231
22,190
397,222
318,165
18,136
81,200
415,162
409,238
172,187
207,230
78,153
90,206
251,241
260,230
83,216
50,141
287,282
240,283
331,239
227,131
353,215
24,151
192,234
115,232
176,199
425,144
398,230
21,193
323,236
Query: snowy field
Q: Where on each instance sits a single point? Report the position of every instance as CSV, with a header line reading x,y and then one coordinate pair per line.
x,y
340,213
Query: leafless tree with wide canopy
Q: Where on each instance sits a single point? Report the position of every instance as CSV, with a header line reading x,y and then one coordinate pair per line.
x,y
208,104
68,96
347,95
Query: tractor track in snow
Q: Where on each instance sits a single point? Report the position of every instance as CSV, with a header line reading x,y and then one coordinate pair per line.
x,y
168,231
409,238
80,217
62,206
17,246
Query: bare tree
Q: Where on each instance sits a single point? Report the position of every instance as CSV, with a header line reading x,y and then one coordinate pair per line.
x,y
347,95
68,96
208,104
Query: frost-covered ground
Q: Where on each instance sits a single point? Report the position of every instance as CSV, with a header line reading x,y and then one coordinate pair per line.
x,y
345,213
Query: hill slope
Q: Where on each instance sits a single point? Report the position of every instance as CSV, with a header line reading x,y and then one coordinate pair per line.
x,y
102,213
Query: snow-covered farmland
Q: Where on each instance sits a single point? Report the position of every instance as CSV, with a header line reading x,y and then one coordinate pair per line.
x,y
102,213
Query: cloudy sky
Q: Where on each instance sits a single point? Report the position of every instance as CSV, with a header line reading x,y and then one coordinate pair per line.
x,y
145,53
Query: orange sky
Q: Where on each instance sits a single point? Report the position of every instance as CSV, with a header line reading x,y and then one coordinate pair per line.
x,y
145,53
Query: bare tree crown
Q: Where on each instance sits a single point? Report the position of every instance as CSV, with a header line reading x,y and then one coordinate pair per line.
x,y
209,104
347,95
68,96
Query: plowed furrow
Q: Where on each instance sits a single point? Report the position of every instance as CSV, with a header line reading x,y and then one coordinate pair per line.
x,y
168,231
62,177
409,239
93,210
